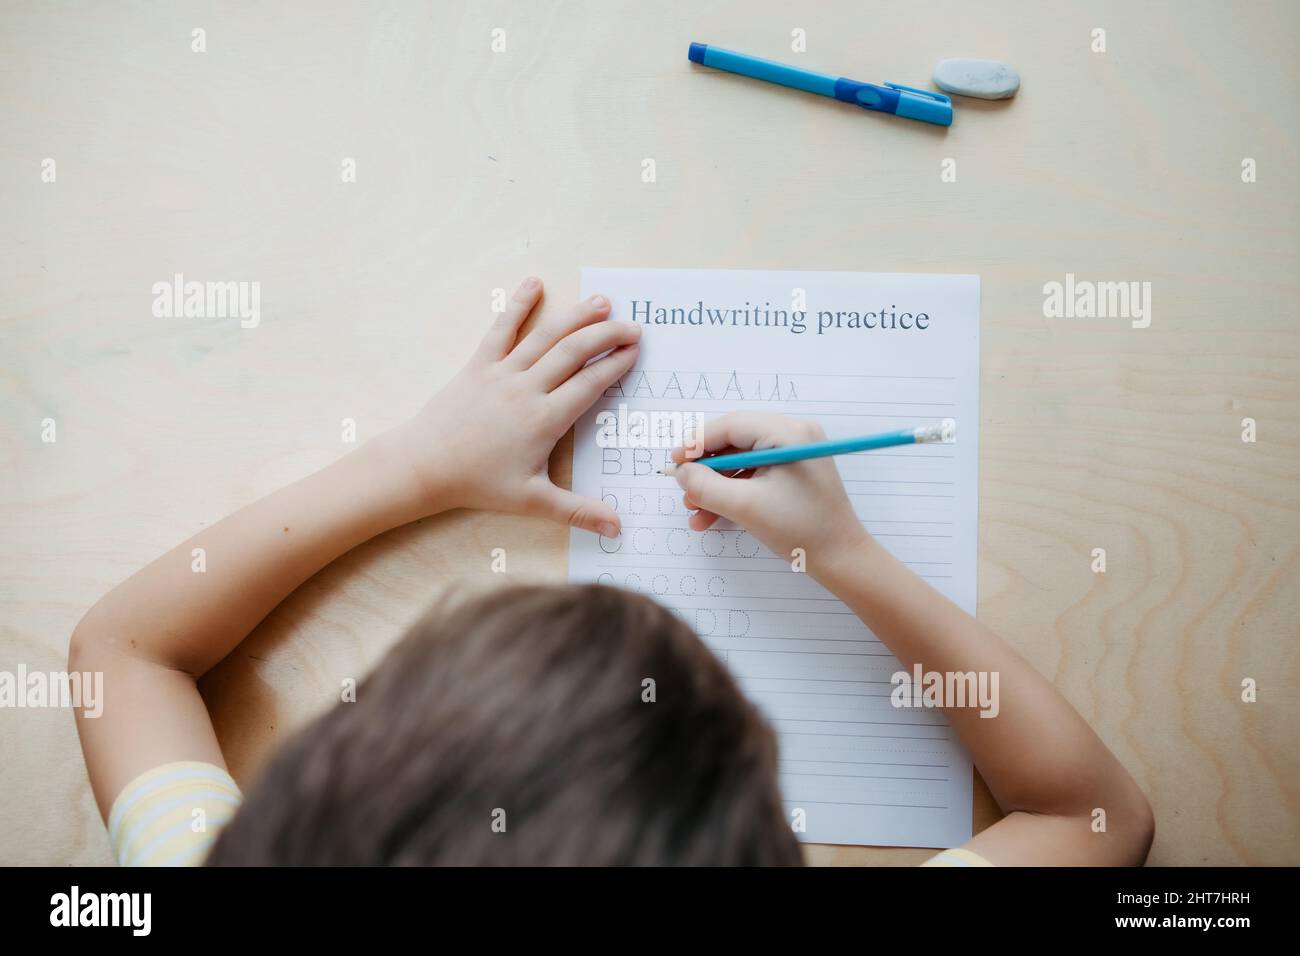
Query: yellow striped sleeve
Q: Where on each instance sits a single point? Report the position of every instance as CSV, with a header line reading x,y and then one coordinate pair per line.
x,y
957,857
171,815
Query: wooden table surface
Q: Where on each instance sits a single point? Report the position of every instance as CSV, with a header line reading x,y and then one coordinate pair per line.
x,y
475,168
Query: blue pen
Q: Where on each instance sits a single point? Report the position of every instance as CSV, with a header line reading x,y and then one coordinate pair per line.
x,y
762,457
891,98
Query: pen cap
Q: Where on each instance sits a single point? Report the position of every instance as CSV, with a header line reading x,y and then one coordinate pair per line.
x,y
923,105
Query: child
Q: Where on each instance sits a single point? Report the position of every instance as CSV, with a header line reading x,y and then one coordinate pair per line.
x,y
512,729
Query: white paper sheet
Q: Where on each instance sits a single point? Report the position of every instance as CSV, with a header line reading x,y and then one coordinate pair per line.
x,y
861,770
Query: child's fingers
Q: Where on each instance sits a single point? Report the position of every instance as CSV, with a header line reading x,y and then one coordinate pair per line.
x,y
694,450
701,520
573,351
713,493
742,430
548,501
500,338
587,384
539,341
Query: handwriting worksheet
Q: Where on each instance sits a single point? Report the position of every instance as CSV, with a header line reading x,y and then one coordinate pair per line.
x,y
859,353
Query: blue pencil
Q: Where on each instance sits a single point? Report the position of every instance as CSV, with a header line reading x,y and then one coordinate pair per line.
x,y
762,457
893,98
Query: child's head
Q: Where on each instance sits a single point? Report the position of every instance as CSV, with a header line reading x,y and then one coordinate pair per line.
x,y
539,725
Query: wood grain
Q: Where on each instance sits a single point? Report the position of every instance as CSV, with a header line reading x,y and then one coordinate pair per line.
x,y
476,168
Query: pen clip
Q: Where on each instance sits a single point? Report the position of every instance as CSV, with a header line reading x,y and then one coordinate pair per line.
x,y
926,93
922,105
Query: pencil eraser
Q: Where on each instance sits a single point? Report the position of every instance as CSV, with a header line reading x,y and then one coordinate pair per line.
x,y
987,79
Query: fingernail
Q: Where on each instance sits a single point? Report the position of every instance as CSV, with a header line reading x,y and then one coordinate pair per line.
x,y
599,302
532,282
607,529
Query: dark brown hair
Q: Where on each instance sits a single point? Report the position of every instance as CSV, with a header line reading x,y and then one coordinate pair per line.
x,y
531,708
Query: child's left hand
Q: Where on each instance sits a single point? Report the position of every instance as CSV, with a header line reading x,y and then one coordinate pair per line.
x,y
484,440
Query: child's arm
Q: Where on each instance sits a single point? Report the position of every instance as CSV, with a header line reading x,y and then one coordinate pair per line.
x,y
482,442
1043,763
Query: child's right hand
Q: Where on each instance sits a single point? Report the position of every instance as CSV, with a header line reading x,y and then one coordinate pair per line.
x,y
798,505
